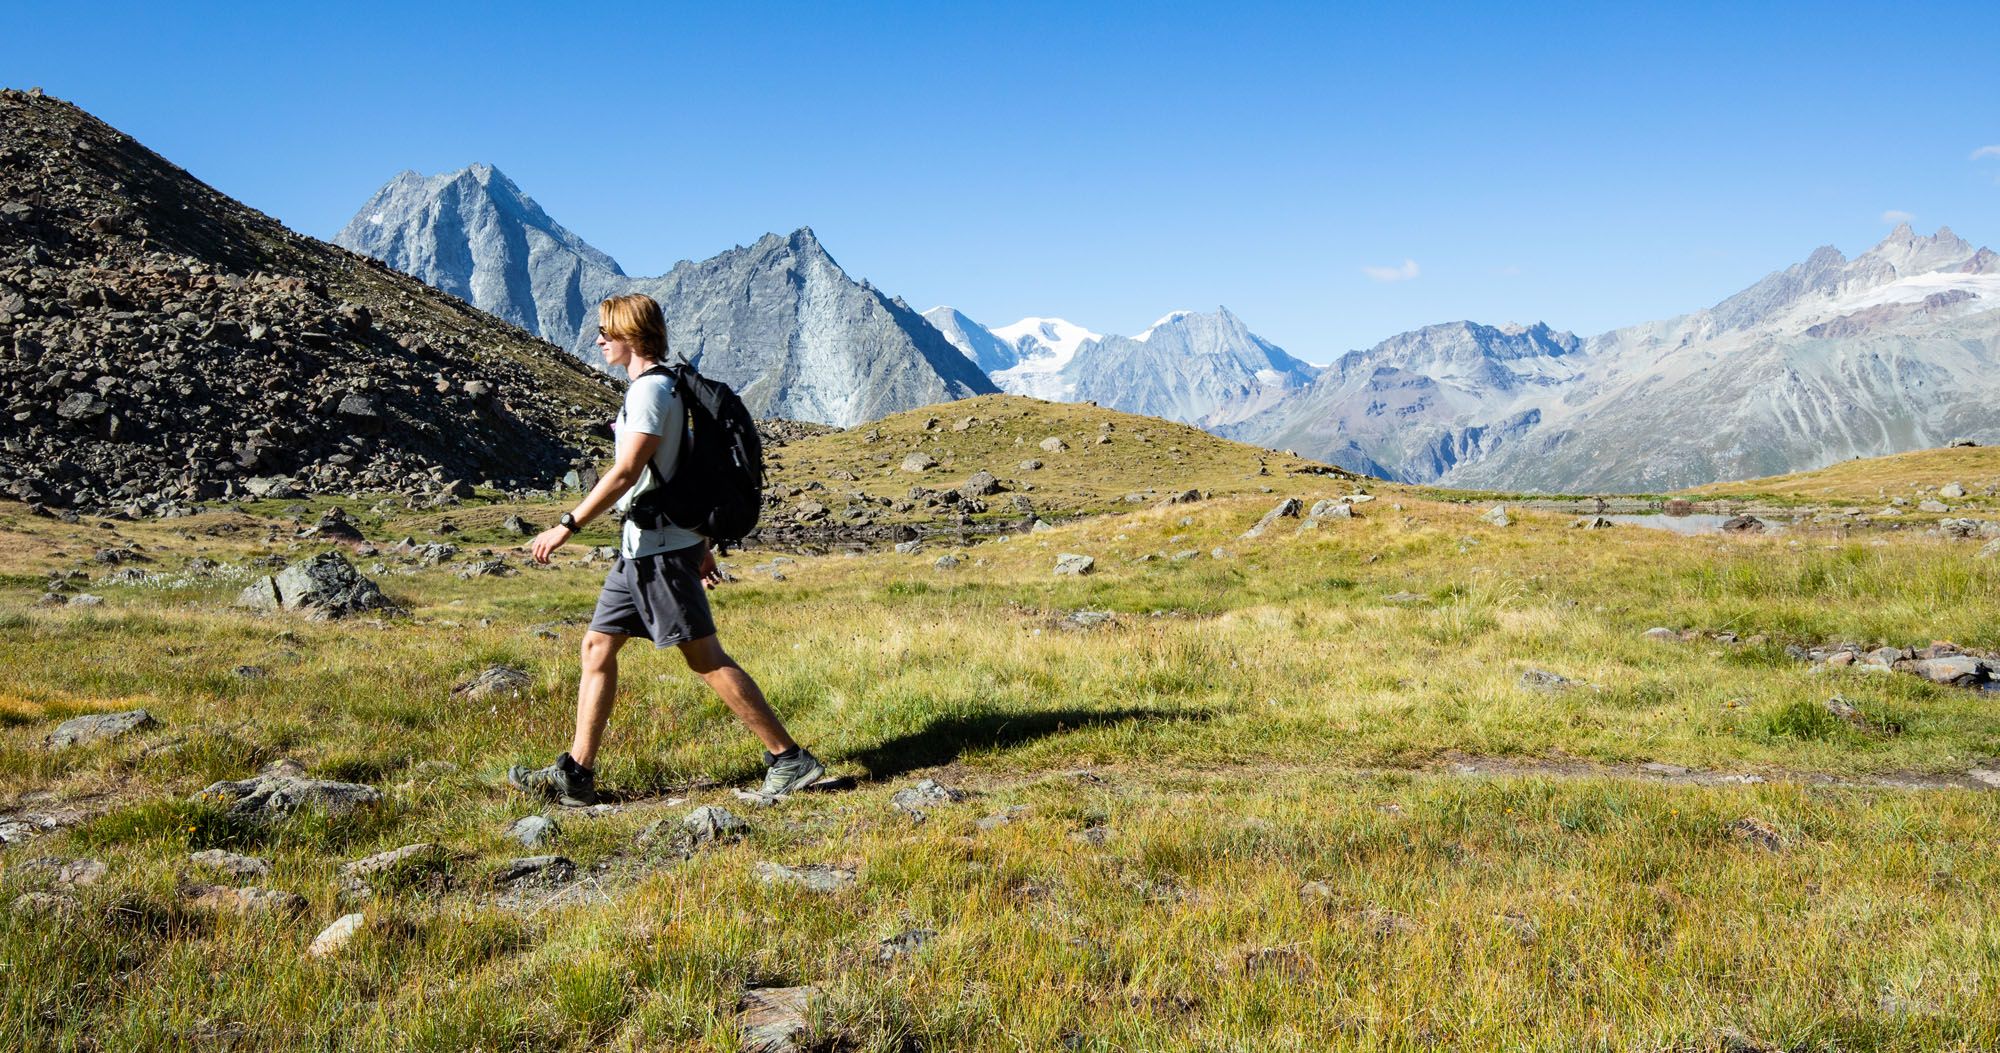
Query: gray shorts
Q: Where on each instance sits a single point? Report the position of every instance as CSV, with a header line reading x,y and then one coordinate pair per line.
x,y
659,597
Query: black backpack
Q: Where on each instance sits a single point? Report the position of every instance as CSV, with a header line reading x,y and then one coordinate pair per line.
x,y
717,485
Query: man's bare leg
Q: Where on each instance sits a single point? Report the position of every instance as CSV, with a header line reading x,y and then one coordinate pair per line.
x,y
595,692
740,693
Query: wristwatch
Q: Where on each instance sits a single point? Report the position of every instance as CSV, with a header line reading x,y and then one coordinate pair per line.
x,y
569,520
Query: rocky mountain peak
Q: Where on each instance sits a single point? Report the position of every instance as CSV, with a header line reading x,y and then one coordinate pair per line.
x,y
1908,252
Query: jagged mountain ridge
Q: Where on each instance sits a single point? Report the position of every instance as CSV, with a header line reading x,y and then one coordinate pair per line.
x,y
1416,405
1892,351
1828,359
475,235
1206,369
779,319
170,345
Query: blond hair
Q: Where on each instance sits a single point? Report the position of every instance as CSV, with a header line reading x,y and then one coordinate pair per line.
x,y
635,319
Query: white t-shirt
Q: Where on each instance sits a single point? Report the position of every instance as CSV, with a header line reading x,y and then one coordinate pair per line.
x,y
653,407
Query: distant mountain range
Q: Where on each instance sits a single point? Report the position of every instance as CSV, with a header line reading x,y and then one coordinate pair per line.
x,y
778,320
1828,359
1894,350
1208,370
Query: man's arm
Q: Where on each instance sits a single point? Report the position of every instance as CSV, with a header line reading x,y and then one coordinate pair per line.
x,y
610,487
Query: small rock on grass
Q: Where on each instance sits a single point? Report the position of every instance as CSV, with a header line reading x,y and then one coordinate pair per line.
x,y
230,863
42,904
68,872
1074,563
1543,680
336,936
1002,818
818,877
1286,509
927,794
98,727
248,899
283,788
495,682
545,871
1956,670
421,864
775,1019
701,828
534,831
710,824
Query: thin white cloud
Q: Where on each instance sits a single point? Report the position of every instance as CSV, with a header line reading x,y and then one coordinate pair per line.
x,y
1512,270
1407,271
1897,215
1986,151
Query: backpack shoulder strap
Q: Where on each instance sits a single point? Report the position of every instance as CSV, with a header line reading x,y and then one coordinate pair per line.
x,y
677,382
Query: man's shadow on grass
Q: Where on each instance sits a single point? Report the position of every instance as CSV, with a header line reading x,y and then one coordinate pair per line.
x,y
944,739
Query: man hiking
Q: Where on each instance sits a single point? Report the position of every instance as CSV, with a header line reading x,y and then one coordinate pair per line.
x,y
656,587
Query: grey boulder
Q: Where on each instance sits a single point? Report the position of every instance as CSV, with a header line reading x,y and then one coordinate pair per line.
x,y
1286,509
98,727
1071,563
283,788
326,585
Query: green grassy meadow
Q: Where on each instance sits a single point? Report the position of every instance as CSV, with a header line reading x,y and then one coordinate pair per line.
x,y
1289,792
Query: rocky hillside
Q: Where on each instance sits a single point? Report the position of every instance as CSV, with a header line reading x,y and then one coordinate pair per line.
x,y
162,344
779,319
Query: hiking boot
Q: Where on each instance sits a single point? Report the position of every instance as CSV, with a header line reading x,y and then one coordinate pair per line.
x,y
564,782
786,776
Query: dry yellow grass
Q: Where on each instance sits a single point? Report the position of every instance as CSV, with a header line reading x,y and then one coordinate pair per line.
x,y
1108,456
1874,480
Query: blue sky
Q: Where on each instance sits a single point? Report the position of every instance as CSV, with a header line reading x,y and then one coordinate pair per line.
x,y
1333,174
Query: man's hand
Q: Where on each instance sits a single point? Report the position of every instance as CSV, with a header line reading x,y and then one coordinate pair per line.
x,y
711,575
547,542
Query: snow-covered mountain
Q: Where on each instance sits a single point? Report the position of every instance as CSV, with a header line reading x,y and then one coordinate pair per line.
x,y
1831,358
1043,350
1208,370
778,320
1205,369
987,351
